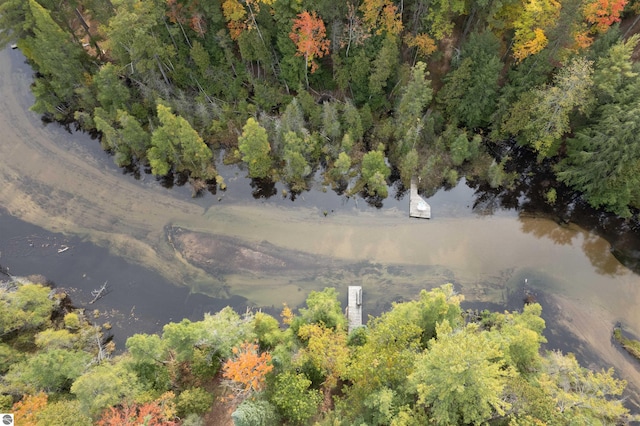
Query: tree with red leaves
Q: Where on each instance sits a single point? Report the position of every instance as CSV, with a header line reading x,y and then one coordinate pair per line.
x,y
160,412
309,35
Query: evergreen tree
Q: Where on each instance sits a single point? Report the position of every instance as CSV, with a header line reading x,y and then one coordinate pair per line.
x,y
603,158
540,118
60,61
176,144
470,92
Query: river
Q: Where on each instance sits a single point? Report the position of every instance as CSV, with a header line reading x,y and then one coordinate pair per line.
x,y
57,190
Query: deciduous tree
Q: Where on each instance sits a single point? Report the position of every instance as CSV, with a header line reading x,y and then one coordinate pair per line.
x,y
309,35
255,149
293,398
461,377
246,370
27,410
603,13
104,386
375,173
536,17
381,16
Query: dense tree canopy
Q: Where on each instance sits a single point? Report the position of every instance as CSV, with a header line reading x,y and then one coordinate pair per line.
x,y
422,362
430,86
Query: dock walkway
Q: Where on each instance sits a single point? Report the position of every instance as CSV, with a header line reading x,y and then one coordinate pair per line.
x,y
418,207
354,307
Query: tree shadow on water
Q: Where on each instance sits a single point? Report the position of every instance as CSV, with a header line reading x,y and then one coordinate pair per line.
x,y
263,188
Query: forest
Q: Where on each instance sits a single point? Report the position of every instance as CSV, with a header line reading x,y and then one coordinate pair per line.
x,y
357,95
425,361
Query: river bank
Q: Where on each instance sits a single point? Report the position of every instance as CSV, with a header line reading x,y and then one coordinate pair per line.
x,y
64,184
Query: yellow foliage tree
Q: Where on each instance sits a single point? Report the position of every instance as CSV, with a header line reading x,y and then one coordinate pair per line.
x,y
536,17
529,46
235,14
424,44
381,16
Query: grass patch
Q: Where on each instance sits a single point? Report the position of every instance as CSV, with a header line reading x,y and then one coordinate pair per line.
x,y
630,345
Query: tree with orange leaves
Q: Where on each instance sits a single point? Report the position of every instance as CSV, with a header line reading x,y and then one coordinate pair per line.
x,y
26,410
309,35
246,370
603,13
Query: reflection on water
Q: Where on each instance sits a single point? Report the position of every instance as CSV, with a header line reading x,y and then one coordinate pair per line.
x,y
139,300
484,241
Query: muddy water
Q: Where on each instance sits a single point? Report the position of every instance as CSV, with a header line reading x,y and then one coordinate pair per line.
x,y
62,183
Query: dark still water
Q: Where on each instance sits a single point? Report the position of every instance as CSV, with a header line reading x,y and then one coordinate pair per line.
x,y
139,300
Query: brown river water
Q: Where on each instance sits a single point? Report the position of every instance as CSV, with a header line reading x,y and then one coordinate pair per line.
x,y
57,190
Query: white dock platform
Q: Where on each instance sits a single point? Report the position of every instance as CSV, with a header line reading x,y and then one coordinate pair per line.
x,y
354,307
418,207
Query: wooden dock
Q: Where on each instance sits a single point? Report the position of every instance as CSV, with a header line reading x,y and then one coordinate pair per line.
x,y
418,207
354,307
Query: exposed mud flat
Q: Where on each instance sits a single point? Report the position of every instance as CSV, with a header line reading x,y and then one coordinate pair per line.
x,y
221,254
593,326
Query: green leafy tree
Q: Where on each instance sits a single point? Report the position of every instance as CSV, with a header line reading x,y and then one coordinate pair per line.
x,y
352,122
375,173
384,68
267,330
50,371
26,308
63,413
330,121
296,166
105,386
14,15
255,413
326,350
323,307
181,337
112,94
461,377
150,361
194,401
441,15
293,398
123,135
341,166
379,368
520,336
436,306
134,42
603,160
581,395
255,149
